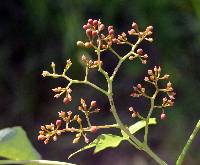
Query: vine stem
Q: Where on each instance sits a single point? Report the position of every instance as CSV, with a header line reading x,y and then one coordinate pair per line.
x,y
188,144
135,142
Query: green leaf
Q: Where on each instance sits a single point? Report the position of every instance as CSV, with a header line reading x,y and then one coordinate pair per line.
x,y
137,126
34,162
101,142
15,145
107,140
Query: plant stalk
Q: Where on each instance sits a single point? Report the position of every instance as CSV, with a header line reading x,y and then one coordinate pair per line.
x,y
188,144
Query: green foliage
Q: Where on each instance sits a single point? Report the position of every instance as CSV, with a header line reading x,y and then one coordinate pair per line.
x,y
137,126
15,145
108,140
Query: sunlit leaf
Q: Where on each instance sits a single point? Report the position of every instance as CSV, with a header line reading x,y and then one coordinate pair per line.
x,y
15,145
137,126
101,142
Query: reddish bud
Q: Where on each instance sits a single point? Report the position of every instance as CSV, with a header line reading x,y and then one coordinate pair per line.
x,y
85,27
163,116
58,123
86,139
41,137
89,33
42,127
101,27
46,141
93,129
93,103
139,86
110,27
66,100
95,22
94,33
140,51
111,31
134,25
90,21
61,114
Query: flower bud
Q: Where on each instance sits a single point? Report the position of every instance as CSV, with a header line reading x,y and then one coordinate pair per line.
x,y
86,139
146,79
83,58
131,58
85,27
87,45
46,141
45,73
149,28
140,51
131,32
134,25
93,129
66,100
93,103
89,33
150,72
94,33
101,27
139,86
76,140
58,123
163,116
110,27
61,114
130,109
95,22
80,43
41,137
111,31
90,21
55,138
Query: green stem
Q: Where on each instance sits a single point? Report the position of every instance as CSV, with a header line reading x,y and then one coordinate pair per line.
x,y
188,144
152,99
147,121
35,162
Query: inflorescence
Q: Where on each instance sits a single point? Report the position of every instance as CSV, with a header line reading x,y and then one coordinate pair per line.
x,y
100,39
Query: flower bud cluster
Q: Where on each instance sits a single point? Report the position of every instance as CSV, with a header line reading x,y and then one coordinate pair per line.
x,y
153,77
138,91
133,112
59,91
89,63
54,130
88,109
146,34
142,56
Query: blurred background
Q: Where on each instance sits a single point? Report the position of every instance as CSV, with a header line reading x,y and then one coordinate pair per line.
x,y
33,33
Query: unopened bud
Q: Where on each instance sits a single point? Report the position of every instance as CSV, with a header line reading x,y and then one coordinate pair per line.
x,y
93,129
80,43
58,123
87,45
140,51
93,103
163,116
45,73
55,138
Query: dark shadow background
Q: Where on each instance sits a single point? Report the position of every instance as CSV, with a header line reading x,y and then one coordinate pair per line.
x,y
35,32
